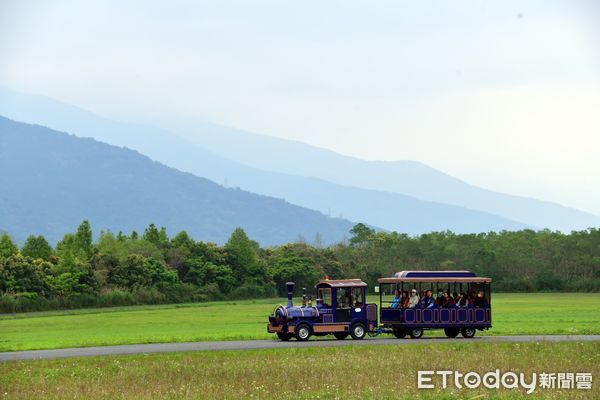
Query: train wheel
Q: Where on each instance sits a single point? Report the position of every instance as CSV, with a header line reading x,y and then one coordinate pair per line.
x,y
399,333
468,332
340,335
284,336
416,333
358,331
303,332
451,332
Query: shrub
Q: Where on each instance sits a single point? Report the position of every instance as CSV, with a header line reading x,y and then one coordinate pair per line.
x,y
583,285
252,291
208,292
144,295
548,281
115,297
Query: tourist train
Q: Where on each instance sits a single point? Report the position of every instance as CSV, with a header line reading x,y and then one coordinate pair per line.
x,y
410,302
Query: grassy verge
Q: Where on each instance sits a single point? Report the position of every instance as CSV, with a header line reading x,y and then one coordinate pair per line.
x,y
362,372
513,314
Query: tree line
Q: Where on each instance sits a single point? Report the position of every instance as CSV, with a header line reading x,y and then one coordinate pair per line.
x,y
153,268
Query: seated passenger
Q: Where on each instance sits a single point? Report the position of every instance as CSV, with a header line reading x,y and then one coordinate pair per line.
x,y
396,301
405,299
480,300
444,302
464,300
448,302
470,299
428,301
457,299
414,299
440,298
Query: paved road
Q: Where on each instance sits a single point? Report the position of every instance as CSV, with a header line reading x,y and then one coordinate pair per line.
x,y
270,344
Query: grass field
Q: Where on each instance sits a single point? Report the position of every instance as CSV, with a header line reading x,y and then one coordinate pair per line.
x,y
361,372
513,314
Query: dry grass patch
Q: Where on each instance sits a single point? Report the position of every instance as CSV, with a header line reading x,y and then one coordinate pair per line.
x,y
304,373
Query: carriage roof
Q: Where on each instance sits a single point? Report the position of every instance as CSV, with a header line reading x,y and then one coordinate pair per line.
x,y
435,276
341,283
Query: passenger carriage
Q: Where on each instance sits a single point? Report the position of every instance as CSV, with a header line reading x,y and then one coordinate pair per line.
x,y
340,310
453,319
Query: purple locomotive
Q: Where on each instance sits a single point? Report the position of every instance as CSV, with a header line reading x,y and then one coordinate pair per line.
x,y
340,310
409,303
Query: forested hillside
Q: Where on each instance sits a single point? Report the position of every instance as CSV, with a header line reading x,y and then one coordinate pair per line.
x,y
151,267
51,181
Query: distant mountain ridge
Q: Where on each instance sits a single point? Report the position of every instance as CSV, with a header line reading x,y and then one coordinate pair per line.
x,y
392,211
411,178
51,181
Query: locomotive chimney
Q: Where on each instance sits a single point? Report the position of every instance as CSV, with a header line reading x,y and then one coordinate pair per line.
x,y
303,297
290,289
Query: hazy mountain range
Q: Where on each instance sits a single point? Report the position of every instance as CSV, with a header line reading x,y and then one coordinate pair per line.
x,y
410,178
51,181
406,196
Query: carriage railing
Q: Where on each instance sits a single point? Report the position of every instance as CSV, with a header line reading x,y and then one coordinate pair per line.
x,y
472,316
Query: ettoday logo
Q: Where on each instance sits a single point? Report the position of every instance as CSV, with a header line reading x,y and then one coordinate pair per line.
x,y
507,380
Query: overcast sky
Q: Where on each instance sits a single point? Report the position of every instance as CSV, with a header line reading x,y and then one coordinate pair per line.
x,y
505,95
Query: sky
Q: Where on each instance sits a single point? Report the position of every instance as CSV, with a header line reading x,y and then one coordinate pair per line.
x,y
504,95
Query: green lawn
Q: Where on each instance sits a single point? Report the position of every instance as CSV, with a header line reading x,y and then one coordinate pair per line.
x,y
513,314
352,372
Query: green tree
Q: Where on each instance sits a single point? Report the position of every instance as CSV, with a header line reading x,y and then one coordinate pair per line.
x,y
296,269
202,273
242,254
83,238
162,235
179,251
78,280
152,234
37,247
182,239
69,254
361,234
155,236
19,274
102,265
133,271
7,246
160,275
109,244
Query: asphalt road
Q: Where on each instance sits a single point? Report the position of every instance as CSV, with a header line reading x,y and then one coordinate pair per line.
x,y
271,344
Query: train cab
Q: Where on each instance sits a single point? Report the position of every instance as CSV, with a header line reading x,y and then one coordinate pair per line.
x,y
343,302
340,310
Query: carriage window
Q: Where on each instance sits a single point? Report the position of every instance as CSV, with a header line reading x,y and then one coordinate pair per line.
x,y
357,297
384,294
325,295
343,297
